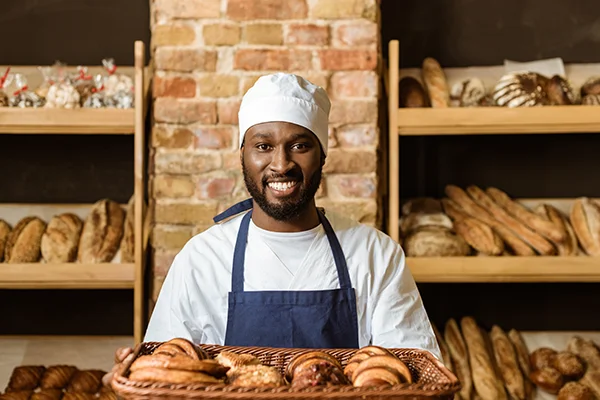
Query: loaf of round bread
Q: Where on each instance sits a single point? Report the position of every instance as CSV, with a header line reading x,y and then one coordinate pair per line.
x,y
522,89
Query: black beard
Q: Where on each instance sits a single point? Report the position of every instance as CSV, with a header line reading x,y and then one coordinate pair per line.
x,y
287,210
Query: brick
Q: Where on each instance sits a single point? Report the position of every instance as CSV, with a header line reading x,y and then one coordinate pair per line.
x,y
213,137
192,9
344,9
179,138
185,213
170,162
307,34
272,59
343,60
215,187
215,85
173,186
322,190
332,141
248,81
171,237
350,162
185,60
354,84
185,111
353,111
360,33
351,186
227,111
246,10
177,86
357,135
221,34
263,34
363,211
173,35
231,161
163,259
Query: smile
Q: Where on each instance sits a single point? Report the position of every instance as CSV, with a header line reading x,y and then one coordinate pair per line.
x,y
283,187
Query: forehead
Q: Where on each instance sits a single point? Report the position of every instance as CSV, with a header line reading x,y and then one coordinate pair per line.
x,y
278,131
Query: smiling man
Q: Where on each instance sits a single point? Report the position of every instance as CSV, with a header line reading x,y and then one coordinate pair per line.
x,y
277,271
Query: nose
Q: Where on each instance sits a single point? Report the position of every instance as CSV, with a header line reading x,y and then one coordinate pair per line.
x,y
281,162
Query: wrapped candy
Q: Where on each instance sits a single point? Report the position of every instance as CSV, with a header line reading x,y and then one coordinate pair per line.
x,y
62,93
47,74
5,80
118,87
84,84
98,97
23,97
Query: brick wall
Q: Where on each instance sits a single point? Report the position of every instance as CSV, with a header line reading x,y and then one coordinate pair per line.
x,y
206,54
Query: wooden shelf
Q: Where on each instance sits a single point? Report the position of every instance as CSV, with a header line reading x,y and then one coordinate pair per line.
x,y
505,269
67,276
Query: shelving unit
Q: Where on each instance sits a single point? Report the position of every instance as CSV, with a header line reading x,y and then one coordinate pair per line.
x,y
486,121
114,275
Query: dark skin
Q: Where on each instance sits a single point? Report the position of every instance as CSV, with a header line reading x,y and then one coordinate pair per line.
x,y
283,152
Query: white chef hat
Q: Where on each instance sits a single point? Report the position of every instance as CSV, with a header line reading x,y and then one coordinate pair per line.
x,y
287,98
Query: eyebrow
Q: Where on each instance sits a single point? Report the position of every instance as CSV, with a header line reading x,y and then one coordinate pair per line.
x,y
295,136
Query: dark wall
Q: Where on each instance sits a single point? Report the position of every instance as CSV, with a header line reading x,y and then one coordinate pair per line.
x,y
462,33
69,168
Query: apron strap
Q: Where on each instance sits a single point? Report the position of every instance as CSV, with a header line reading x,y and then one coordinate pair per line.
x,y
338,253
234,210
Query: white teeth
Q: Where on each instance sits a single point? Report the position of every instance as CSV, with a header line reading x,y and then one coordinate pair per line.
x,y
281,185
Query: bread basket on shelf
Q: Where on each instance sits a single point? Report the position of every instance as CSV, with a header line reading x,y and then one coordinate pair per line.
x,y
431,379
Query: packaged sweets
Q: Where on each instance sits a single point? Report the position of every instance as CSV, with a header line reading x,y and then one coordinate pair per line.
x,y
118,87
5,81
84,84
98,98
48,80
23,97
62,93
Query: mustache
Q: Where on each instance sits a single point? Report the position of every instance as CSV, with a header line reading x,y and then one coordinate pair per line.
x,y
292,175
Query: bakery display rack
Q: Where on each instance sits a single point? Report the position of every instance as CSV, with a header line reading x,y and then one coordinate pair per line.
x,y
99,121
486,121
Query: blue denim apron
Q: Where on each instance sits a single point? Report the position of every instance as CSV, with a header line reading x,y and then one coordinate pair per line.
x,y
291,319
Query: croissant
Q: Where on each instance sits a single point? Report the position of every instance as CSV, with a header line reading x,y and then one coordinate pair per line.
x,y
26,377
47,394
87,381
78,396
57,376
18,395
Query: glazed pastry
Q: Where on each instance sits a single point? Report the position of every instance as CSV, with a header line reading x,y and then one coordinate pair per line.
x,y
87,381
26,377
523,89
57,376
255,376
468,93
560,92
411,93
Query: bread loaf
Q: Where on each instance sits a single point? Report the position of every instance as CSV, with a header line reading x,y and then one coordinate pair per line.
x,y
102,233
480,236
61,238
128,243
560,92
468,93
569,246
521,90
585,218
415,221
411,93
5,229
445,352
432,241
436,84
460,357
591,86
24,241
506,358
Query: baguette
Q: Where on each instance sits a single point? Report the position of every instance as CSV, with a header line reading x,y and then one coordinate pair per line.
x,y
569,246
484,375
462,199
460,357
127,242
544,227
436,84
585,218
453,210
5,229
539,243
506,358
480,236
587,350
443,348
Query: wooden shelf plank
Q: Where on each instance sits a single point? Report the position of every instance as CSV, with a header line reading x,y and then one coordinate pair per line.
x,y
498,120
67,276
505,269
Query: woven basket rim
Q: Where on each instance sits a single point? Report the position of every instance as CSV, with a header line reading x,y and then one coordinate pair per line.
x,y
123,386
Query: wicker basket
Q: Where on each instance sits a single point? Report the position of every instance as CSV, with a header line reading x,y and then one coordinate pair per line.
x,y
432,379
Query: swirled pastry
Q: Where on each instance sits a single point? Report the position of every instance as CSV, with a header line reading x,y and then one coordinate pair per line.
x,y
523,89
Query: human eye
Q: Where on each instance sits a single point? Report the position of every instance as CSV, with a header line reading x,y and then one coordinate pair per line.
x,y
262,146
301,146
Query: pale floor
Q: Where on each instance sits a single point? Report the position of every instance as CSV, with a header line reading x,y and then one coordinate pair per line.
x,y
98,352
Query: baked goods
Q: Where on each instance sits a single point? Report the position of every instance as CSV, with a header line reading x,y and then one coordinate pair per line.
x,y
560,92
480,236
23,243
25,377
57,376
592,380
586,350
468,93
20,395
484,375
102,233
569,246
389,362
172,376
87,381
435,83
255,376
432,241
569,365
521,89
591,86
411,93
445,352
61,238
506,358
47,394
460,357
414,221
585,218
543,357
128,242
422,205
548,379
5,229
234,360
315,368
575,391
591,100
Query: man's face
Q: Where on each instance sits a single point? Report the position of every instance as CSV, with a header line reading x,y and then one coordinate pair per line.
x,y
282,165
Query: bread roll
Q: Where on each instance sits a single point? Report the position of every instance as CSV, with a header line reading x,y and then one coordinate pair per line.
x,y
548,379
23,244
411,93
102,233
436,84
570,365
575,391
585,218
5,229
60,241
560,92
433,241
